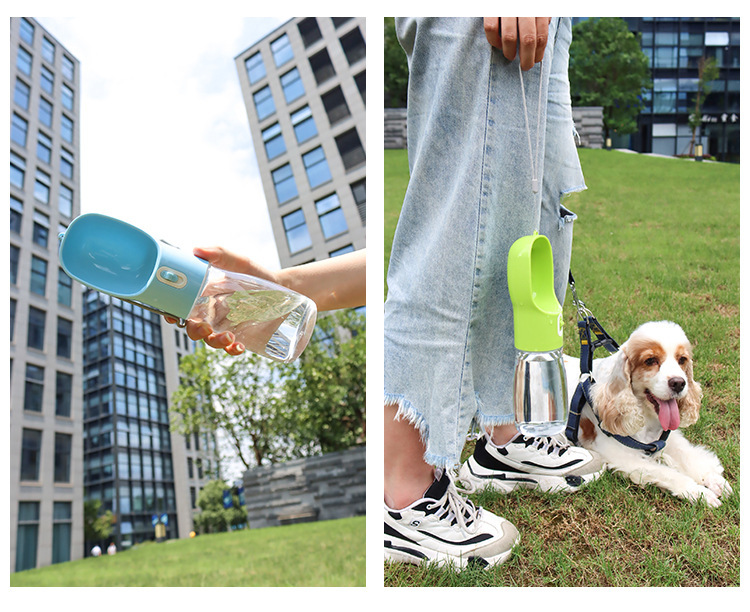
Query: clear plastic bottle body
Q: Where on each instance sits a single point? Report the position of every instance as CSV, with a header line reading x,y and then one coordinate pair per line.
x,y
540,393
266,318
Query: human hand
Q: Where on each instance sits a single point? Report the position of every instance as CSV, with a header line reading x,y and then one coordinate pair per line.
x,y
226,260
529,34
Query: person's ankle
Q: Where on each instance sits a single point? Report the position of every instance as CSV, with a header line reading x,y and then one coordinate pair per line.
x,y
404,494
500,435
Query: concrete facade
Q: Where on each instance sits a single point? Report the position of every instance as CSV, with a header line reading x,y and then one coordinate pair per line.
x,y
304,90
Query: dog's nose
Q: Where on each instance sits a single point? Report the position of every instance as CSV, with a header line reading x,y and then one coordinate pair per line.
x,y
677,384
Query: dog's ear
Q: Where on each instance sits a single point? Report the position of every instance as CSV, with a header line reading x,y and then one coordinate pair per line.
x,y
613,398
690,404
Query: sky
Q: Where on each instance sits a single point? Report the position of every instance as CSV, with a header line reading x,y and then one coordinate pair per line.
x,y
165,140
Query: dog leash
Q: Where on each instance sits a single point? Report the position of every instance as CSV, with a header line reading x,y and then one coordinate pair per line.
x,y
592,336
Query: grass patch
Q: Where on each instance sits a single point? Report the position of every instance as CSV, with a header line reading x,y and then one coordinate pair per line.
x,y
324,553
655,238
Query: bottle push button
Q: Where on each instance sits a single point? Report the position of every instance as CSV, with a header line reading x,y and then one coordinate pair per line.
x,y
171,277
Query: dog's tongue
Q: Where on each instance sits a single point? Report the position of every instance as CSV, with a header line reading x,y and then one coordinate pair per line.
x,y
669,414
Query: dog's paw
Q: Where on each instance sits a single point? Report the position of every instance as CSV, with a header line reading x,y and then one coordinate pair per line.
x,y
717,484
696,492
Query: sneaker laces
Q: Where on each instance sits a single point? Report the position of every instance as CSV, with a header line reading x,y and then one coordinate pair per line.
x,y
457,509
546,443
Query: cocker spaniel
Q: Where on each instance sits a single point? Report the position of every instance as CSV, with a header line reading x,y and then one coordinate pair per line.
x,y
640,392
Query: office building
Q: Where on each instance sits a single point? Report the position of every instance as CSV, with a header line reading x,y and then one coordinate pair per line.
x,y
304,90
674,46
143,472
46,417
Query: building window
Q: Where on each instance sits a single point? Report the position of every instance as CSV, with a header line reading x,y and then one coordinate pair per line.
x,y
297,236
282,50
23,61
26,30
66,163
28,534
309,31
255,67
48,50
16,215
361,81
44,148
38,275
330,215
64,337
31,449
62,525
41,186
66,129
335,105
353,45
67,97
47,80
64,288
65,201
264,105
41,229
273,140
304,125
350,149
63,394
68,68
63,444
45,112
17,170
321,66
359,192
34,388
19,129
339,21
15,253
344,249
316,167
284,184
292,85
13,304
35,334
21,94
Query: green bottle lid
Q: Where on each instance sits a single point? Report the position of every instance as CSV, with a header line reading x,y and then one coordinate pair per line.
x,y
537,315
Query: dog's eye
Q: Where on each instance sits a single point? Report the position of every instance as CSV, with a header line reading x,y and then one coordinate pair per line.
x,y
651,361
682,360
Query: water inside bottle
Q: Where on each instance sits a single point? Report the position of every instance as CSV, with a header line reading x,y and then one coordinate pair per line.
x,y
540,394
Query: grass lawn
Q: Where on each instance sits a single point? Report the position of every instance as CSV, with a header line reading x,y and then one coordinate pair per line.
x,y
324,553
655,239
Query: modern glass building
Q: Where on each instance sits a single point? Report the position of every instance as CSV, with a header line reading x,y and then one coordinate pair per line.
x,y
304,90
674,46
46,483
143,473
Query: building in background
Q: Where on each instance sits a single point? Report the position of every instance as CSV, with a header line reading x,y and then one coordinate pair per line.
x,y
304,90
674,45
46,417
142,472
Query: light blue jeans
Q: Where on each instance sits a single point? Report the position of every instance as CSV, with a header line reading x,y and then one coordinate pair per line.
x,y
449,350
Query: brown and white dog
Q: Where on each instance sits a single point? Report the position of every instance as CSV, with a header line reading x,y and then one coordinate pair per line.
x,y
647,387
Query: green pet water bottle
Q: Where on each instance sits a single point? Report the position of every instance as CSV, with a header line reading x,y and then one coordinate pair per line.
x,y
539,389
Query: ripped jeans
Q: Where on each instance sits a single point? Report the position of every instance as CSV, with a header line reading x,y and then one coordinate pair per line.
x,y
449,349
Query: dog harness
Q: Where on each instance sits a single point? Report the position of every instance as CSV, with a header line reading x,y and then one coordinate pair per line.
x,y
588,325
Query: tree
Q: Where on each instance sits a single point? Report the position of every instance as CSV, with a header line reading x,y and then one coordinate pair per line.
x,y
214,517
96,527
396,68
708,71
608,69
325,389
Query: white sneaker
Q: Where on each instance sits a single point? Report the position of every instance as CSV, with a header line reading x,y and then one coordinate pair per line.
x,y
543,463
444,527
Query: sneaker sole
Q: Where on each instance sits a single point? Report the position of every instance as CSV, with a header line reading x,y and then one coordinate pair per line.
x,y
406,553
478,478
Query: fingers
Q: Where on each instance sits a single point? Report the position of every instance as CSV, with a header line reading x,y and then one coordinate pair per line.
x,y
202,331
221,258
526,35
